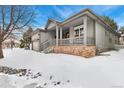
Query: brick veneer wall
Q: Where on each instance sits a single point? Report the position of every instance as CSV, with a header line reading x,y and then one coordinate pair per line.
x,y
85,51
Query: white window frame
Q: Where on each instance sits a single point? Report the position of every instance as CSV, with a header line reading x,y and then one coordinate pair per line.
x,y
78,28
76,33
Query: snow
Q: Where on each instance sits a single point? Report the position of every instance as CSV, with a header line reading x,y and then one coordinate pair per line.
x,y
106,70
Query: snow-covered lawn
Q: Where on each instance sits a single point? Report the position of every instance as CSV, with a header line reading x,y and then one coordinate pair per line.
x,y
62,70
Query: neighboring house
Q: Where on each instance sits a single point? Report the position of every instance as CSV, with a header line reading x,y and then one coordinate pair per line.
x,y
11,43
121,39
84,28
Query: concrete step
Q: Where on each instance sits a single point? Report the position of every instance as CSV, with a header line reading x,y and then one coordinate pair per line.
x,y
48,50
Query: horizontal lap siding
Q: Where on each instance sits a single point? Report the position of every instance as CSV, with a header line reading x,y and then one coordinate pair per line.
x,y
35,41
103,38
36,45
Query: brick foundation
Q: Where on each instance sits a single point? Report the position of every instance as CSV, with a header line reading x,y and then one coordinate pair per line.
x,y
85,51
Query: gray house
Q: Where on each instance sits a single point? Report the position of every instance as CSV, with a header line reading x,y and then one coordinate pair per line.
x,y
84,28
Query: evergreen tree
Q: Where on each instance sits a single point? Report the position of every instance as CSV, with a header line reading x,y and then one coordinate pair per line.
x,y
111,22
26,41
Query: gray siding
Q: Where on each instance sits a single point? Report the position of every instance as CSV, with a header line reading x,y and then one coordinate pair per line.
x,y
104,39
90,31
52,24
36,46
39,38
35,41
44,36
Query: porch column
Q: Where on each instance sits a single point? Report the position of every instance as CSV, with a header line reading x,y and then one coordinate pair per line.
x,y
71,34
57,35
85,30
61,35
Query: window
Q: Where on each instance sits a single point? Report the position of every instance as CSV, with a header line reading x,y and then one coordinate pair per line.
x,y
67,35
76,32
79,31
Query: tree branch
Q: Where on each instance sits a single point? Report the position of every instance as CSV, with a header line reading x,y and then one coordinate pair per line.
x,y
11,19
26,23
3,18
19,18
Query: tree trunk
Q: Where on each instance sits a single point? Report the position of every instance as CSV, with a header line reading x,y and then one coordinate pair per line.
x,y
1,51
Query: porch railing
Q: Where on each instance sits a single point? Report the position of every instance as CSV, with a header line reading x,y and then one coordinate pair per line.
x,y
71,41
47,44
90,41
68,41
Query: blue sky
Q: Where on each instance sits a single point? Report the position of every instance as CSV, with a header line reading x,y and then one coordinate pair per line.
x,y
62,12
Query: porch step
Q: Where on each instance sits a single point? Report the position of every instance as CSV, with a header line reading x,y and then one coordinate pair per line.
x,y
48,50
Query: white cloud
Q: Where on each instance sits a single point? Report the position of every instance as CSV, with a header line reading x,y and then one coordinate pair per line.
x,y
120,20
104,9
64,12
110,7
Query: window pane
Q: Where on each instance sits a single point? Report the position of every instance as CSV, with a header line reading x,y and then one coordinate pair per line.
x,y
81,31
77,32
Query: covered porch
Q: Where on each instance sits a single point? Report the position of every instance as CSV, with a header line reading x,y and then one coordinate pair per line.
x,y
77,32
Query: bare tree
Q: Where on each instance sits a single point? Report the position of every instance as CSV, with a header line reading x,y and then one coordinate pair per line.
x,y
13,18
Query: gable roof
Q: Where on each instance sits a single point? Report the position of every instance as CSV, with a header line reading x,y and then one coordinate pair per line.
x,y
83,12
94,16
86,12
38,30
51,20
